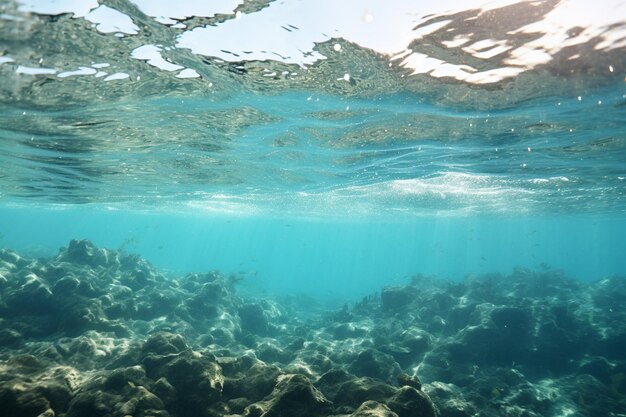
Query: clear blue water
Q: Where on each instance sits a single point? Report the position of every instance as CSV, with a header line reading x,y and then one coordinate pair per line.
x,y
331,173
391,191
335,260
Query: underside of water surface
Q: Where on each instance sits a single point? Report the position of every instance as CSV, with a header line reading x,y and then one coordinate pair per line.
x,y
312,208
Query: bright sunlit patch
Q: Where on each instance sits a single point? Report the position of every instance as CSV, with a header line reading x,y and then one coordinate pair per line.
x,y
167,12
117,76
109,20
188,73
79,8
152,54
34,70
79,71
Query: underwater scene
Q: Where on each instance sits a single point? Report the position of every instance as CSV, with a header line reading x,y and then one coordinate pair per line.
x,y
312,208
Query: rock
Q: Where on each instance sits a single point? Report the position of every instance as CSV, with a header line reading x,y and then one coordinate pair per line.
x,y
238,405
355,391
196,378
343,331
31,295
373,409
83,252
417,341
409,402
375,364
397,298
402,355
597,367
330,383
10,337
233,366
258,382
253,319
117,379
29,388
270,352
527,344
294,395
192,373
10,257
129,399
513,320
164,343
450,400
612,344
409,381
590,395
316,363
165,391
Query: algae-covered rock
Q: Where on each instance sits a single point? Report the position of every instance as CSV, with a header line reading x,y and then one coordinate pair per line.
x,y
192,381
355,391
409,402
83,252
94,332
397,298
254,319
410,381
450,400
31,387
373,409
255,384
294,395
375,364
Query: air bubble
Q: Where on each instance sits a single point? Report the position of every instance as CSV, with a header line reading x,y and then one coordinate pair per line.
x,y
337,47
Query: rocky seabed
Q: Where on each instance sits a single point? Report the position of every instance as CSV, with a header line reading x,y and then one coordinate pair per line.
x,y
95,332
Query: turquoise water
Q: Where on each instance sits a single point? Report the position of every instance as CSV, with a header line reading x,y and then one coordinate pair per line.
x,y
332,172
334,260
312,208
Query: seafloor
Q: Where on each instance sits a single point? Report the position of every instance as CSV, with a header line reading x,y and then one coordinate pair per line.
x,y
94,332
